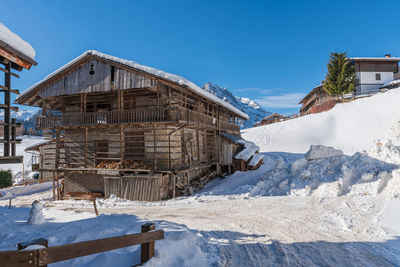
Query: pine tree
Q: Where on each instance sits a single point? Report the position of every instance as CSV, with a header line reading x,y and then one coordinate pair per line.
x,y
341,76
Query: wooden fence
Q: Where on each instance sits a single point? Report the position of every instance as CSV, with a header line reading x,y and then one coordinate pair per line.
x,y
47,255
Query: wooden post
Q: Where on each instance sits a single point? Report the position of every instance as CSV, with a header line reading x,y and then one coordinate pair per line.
x,y
122,144
147,249
54,186
173,185
58,187
154,147
86,146
9,204
7,102
95,206
13,137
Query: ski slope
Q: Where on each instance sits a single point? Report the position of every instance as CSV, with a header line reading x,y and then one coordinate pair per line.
x,y
351,127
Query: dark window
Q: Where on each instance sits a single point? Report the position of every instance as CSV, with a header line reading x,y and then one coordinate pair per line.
x,y
377,76
112,73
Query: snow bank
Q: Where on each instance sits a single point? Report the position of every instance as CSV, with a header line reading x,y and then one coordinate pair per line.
x,y
322,152
16,42
351,127
292,174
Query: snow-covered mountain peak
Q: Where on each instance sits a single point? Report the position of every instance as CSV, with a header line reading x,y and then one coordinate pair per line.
x,y
255,111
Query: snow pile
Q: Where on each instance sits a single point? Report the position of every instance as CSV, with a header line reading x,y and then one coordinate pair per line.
x,y
386,151
16,42
248,151
351,127
322,152
291,174
36,214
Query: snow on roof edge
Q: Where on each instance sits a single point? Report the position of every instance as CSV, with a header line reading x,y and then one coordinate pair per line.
x,y
13,40
161,74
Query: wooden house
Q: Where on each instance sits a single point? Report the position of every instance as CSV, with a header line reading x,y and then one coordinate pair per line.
x,y
317,100
131,130
43,158
275,117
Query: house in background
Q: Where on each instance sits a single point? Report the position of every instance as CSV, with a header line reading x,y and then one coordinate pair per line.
x,y
374,72
372,75
275,117
317,100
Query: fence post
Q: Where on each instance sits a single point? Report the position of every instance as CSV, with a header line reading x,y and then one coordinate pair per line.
x,y
147,249
95,206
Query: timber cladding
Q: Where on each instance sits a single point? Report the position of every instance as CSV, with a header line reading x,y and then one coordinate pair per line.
x,y
142,187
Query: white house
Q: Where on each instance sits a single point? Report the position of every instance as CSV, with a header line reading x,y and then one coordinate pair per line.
x,y
374,72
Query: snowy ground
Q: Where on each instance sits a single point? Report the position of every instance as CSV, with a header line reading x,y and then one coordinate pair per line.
x,y
335,211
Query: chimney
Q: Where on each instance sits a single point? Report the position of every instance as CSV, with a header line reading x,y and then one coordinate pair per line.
x,y
388,55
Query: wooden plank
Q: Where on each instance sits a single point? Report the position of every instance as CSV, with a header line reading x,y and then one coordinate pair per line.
x,y
12,74
4,89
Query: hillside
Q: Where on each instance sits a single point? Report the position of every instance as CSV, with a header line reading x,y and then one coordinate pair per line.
x,y
254,110
351,127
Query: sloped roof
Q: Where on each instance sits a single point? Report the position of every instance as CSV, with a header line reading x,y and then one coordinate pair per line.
x,y
384,59
149,70
269,117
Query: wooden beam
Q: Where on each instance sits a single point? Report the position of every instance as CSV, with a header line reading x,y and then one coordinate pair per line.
x,y
4,89
12,73
5,106
17,60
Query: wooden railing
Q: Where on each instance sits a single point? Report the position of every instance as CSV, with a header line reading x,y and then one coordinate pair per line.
x,y
47,255
133,116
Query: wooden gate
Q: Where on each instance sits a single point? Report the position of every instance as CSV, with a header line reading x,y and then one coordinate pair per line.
x,y
142,187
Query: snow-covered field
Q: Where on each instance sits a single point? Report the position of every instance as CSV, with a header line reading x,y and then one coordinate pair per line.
x,y
336,210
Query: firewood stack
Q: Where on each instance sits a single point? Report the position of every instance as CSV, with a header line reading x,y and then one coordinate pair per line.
x,y
126,164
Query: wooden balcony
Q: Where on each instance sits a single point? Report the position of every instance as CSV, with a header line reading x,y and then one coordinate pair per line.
x,y
172,114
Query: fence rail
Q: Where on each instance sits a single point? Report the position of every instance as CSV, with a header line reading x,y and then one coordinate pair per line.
x,y
132,116
44,256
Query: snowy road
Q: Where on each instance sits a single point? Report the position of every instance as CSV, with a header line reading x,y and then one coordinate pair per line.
x,y
284,231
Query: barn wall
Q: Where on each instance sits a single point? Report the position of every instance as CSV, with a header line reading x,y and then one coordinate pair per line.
x,y
81,81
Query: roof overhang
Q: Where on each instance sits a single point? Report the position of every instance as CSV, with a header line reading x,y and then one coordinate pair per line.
x,y
29,96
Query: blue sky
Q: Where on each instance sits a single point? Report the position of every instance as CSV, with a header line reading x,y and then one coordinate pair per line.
x,y
271,51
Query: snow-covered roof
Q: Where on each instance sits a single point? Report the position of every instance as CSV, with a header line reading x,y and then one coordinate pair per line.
x,y
16,42
392,83
158,73
37,145
273,115
375,58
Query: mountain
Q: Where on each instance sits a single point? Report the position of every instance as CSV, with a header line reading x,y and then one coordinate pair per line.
x,y
26,117
21,115
255,111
